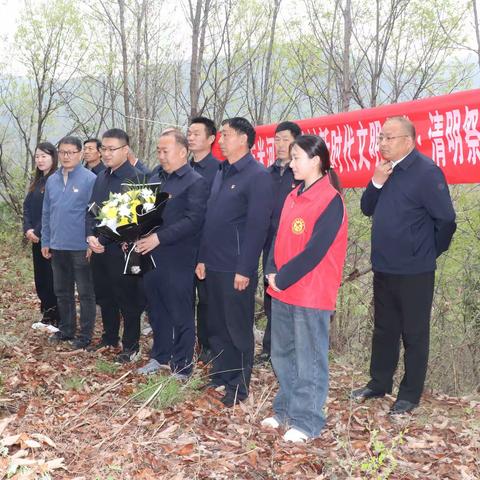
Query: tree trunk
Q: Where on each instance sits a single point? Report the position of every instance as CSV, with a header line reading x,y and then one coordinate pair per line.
x,y
123,42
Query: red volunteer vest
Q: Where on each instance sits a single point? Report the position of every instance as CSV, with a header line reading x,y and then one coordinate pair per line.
x,y
318,288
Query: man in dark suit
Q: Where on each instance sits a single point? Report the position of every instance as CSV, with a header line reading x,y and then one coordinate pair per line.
x,y
174,247
92,157
236,224
201,135
283,183
413,223
116,293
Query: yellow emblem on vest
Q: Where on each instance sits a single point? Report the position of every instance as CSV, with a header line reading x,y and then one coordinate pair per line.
x,y
298,226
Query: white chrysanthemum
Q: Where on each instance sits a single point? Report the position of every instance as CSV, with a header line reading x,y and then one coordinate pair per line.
x,y
110,223
124,211
148,206
145,193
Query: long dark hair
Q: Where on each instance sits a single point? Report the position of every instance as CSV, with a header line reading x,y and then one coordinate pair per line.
x,y
49,149
313,145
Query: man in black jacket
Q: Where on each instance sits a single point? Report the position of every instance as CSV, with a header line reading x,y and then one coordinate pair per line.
x,y
116,293
236,224
413,223
201,136
283,183
174,246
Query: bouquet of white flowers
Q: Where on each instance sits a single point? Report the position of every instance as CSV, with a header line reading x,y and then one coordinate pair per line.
x,y
125,217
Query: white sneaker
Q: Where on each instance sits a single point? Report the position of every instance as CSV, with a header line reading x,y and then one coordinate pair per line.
x,y
271,422
294,435
152,366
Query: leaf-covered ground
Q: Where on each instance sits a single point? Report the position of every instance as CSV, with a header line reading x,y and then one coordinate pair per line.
x,y
72,415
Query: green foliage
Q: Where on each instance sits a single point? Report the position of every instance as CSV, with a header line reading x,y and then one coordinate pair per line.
x,y
167,389
73,383
104,366
381,462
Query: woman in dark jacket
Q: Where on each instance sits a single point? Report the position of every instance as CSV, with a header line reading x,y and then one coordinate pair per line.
x,y
46,159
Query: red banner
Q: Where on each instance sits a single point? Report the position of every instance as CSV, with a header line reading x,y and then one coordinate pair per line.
x,y
448,131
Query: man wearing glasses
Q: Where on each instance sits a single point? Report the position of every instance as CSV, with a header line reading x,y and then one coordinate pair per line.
x,y
65,202
413,223
116,293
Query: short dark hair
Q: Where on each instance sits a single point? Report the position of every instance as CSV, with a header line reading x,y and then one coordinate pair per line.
x,y
242,125
209,124
97,142
292,127
71,140
313,146
117,133
180,138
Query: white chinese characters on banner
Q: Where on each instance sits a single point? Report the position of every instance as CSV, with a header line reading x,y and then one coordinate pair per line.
x,y
347,146
472,135
453,135
449,126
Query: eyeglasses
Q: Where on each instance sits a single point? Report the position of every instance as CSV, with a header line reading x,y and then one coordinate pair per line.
x,y
64,153
110,149
381,138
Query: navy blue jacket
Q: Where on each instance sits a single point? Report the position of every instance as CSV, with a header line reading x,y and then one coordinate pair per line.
x,y
179,234
207,167
238,217
143,168
413,217
97,168
32,208
110,182
283,184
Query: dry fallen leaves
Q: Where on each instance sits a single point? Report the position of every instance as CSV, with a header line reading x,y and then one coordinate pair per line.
x,y
46,427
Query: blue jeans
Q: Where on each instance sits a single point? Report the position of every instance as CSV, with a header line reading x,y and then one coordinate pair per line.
x,y
70,267
300,360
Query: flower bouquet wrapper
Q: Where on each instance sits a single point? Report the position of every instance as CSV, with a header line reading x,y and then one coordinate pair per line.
x,y
147,222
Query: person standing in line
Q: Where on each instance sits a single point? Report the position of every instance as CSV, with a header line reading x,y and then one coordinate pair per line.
x,y
201,136
413,223
46,160
283,183
116,293
92,156
138,164
174,246
236,224
63,239
304,272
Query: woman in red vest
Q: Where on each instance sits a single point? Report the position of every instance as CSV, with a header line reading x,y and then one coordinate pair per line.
x,y
304,272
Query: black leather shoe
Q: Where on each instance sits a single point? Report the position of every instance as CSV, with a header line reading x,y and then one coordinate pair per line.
x,y
230,399
365,393
402,406
98,346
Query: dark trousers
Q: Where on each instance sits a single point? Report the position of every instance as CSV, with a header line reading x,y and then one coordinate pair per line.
x,y
402,305
267,336
202,302
70,268
43,275
230,331
117,294
169,291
